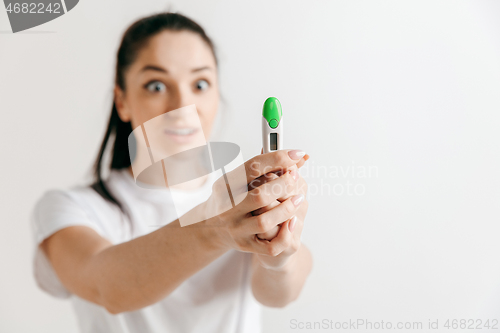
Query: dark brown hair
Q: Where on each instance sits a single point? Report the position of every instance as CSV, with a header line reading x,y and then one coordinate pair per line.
x,y
133,40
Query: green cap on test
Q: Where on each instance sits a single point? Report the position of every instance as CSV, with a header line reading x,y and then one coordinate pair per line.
x,y
272,111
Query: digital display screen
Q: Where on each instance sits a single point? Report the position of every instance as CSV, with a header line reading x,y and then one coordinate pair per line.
x,y
274,141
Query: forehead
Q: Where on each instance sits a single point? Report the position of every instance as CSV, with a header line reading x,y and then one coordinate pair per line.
x,y
176,50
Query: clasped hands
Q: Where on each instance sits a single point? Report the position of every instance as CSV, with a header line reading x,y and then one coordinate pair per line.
x,y
288,232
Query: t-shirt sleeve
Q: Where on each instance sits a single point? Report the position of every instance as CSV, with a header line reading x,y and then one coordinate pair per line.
x,y
55,210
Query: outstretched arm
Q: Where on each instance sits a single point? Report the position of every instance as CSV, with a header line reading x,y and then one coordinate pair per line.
x,y
144,270
130,275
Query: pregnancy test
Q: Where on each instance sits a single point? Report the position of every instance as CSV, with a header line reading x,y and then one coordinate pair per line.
x,y
272,125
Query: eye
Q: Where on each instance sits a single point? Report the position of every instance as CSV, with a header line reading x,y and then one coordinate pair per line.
x,y
156,86
202,84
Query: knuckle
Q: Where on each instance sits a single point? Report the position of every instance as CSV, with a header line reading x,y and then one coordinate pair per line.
x,y
260,199
282,158
252,167
271,176
272,250
255,197
289,181
261,223
276,173
276,161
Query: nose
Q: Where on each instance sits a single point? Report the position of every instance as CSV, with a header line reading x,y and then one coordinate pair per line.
x,y
180,96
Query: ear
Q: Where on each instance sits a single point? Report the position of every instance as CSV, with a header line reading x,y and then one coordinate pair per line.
x,y
121,105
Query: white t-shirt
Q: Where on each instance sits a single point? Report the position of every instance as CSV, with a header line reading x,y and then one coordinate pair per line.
x,y
216,299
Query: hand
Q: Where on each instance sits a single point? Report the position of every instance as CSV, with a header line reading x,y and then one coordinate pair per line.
x,y
237,227
288,236
264,179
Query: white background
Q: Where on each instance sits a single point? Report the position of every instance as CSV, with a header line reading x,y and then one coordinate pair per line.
x,y
410,88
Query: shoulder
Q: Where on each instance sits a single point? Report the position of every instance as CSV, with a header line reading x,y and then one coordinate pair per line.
x,y
76,200
60,201
79,205
55,210
82,198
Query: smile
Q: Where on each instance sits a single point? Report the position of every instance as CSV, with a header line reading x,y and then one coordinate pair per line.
x,y
181,131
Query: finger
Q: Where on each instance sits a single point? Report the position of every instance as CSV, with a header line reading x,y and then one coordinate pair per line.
x,y
279,214
262,180
302,161
279,243
293,171
269,192
270,162
267,208
270,234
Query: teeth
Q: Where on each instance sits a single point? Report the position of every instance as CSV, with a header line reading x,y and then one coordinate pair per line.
x,y
182,131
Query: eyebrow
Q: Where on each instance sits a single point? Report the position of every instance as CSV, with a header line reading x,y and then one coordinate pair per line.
x,y
163,70
153,68
200,69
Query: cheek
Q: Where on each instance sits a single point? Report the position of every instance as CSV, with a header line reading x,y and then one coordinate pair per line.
x,y
145,108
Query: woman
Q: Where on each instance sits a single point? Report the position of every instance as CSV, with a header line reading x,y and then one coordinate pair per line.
x,y
96,245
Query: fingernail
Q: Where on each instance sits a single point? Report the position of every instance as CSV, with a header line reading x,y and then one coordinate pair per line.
x,y
296,154
296,200
291,225
295,174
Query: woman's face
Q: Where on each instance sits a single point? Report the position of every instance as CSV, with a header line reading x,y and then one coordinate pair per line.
x,y
174,69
